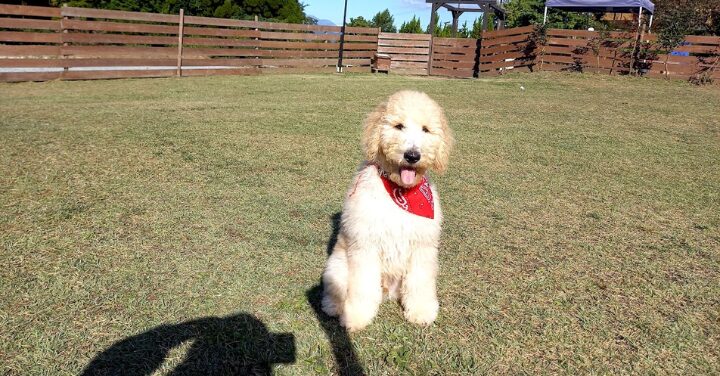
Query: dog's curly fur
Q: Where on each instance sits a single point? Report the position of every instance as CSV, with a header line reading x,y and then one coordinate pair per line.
x,y
382,249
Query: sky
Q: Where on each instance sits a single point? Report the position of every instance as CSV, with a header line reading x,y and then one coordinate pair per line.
x,y
402,10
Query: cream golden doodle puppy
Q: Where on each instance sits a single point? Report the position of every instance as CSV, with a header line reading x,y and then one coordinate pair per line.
x,y
390,227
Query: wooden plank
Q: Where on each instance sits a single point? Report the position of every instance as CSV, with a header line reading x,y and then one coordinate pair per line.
x,y
453,57
302,36
29,37
698,39
226,42
232,62
220,32
505,40
250,71
506,32
312,62
95,38
419,58
23,10
361,38
29,76
301,53
455,42
404,36
407,65
109,74
29,50
501,49
404,43
568,42
118,51
459,73
400,50
299,45
28,23
454,50
453,64
361,30
208,52
573,33
71,24
31,63
118,15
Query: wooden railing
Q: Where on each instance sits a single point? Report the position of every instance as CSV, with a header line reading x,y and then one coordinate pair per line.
x,y
45,43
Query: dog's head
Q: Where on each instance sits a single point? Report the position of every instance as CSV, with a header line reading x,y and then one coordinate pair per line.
x,y
406,136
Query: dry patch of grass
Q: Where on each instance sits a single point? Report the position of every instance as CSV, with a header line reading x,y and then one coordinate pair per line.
x,y
582,231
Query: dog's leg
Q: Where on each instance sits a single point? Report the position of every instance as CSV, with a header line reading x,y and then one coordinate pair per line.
x,y
419,296
335,279
364,293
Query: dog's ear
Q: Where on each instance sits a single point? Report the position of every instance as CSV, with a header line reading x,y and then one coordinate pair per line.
x,y
446,144
371,133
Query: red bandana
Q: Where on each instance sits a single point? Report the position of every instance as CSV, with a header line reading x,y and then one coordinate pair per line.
x,y
417,200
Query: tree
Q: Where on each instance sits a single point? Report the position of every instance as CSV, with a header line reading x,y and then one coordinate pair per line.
x,y
385,21
359,21
292,11
476,29
434,29
464,31
530,12
229,10
705,18
412,26
490,22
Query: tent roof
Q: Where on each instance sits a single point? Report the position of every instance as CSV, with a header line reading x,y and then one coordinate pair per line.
x,y
602,5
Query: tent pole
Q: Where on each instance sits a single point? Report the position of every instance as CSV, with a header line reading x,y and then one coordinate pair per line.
x,y
545,16
650,26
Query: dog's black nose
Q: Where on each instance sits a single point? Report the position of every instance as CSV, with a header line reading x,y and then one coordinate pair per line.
x,y
412,156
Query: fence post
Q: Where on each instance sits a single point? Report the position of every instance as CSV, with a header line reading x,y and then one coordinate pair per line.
x,y
430,55
63,32
181,24
478,63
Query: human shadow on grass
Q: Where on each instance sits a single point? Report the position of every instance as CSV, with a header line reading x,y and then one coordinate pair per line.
x,y
239,344
343,351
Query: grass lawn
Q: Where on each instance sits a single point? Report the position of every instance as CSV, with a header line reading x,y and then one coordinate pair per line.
x,y
160,223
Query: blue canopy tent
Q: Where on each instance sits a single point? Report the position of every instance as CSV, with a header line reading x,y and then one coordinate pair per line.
x,y
610,6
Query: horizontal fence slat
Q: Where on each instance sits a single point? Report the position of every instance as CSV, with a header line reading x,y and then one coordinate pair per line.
x,y
401,50
403,43
118,51
119,15
23,10
72,24
29,37
29,76
27,23
404,36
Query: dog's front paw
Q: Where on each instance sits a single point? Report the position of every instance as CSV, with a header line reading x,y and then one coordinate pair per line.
x,y
355,317
422,313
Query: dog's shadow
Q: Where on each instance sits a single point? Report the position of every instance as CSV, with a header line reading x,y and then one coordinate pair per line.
x,y
343,351
239,344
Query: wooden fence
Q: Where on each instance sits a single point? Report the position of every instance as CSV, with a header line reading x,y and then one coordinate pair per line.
x,y
702,55
43,43
409,53
454,57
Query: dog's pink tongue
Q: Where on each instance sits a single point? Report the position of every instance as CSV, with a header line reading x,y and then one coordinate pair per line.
x,y
407,176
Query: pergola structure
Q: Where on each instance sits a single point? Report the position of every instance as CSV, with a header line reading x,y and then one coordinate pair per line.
x,y
459,7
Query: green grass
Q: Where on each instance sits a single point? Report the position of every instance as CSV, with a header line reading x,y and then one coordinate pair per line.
x,y
582,230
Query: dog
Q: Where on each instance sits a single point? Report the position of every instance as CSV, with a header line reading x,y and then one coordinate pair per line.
x,y
389,233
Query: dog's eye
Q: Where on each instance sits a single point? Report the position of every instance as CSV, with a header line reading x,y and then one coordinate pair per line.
x,y
426,130
399,126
